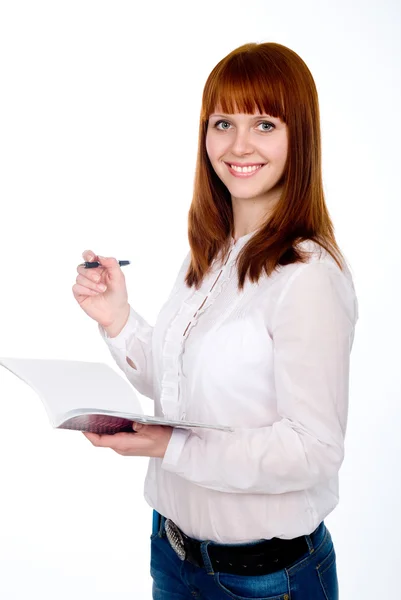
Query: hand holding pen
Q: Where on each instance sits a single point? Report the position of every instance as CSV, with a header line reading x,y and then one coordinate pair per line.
x,y
101,291
95,264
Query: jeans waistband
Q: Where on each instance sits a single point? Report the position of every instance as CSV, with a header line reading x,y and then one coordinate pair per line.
x,y
313,539
253,558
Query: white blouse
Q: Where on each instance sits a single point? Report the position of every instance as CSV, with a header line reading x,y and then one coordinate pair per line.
x,y
271,361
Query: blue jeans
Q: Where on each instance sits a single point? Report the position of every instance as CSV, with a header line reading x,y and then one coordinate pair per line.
x,y
312,577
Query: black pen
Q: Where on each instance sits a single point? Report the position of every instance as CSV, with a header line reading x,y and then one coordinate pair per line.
x,y
93,265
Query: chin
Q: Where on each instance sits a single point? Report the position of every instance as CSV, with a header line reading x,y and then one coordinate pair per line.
x,y
247,194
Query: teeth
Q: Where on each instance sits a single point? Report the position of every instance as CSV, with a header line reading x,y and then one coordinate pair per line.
x,y
245,169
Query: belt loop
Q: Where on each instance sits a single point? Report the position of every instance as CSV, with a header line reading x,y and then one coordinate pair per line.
x,y
155,522
310,544
158,523
313,538
206,558
162,531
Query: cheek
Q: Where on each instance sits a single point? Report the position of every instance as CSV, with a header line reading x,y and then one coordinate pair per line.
x,y
282,151
215,147
277,155
210,147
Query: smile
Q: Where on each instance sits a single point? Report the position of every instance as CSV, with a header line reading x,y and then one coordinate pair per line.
x,y
246,171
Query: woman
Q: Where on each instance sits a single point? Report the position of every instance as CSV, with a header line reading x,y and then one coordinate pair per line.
x,y
256,334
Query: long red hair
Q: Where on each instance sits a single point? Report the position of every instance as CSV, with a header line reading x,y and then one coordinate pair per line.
x,y
274,80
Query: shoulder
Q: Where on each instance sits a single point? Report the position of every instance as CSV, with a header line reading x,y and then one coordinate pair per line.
x,y
317,260
318,282
313,285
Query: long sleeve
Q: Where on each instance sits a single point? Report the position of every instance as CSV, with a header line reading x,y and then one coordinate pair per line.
x,y
134,342
312,330
133,345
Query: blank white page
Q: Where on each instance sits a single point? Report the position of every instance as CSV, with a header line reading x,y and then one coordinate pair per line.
x,y
65,385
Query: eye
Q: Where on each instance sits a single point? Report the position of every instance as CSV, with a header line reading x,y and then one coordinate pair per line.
x,y
219,122
267,123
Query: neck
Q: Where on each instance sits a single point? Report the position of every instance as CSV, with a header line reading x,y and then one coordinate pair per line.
x,y
250,213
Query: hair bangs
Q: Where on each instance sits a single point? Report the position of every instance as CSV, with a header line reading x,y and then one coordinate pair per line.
x,y
239,85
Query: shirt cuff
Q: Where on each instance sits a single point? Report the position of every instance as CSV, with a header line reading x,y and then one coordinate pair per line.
x,y
120,340
174,448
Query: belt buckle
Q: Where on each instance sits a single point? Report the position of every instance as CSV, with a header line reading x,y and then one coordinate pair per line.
x,y
175,538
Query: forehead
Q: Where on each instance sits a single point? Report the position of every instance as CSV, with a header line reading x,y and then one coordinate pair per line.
x,y
234,110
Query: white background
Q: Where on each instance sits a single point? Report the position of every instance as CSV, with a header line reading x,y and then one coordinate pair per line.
x,y
99,109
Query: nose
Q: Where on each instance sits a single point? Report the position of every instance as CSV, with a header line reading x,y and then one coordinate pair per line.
x,y
242,143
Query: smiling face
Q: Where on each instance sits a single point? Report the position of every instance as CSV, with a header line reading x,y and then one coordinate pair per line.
x,y
248,153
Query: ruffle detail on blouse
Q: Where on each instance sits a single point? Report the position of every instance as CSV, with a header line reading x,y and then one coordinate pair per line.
x,y
174,343
223,280
172,349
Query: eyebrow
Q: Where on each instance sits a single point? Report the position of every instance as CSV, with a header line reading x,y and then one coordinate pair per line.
x,y
254,117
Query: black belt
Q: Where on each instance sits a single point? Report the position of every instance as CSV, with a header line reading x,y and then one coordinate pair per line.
x,y
261,558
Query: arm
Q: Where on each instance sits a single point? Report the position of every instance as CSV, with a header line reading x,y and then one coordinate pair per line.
x,y
132,351
312,330
131,348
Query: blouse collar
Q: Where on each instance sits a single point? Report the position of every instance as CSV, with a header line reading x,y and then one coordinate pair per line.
x,y
242,240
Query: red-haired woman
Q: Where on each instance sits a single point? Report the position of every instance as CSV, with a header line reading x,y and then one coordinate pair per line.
x,y
256,334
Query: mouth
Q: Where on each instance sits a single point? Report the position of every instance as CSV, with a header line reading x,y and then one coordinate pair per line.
x,y
246,170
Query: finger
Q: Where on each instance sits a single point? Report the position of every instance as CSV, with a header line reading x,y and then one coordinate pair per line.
x,y
119,442
110,263
90,284
112,272
94,274
100,440
82,291
92,437
89,255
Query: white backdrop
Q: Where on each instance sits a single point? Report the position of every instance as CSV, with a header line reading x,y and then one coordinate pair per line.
x,y
99,109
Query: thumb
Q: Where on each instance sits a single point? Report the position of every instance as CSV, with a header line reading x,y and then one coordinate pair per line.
x,y
110,263
137,426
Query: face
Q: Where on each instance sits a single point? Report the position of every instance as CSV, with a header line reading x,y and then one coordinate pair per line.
x,y
248,153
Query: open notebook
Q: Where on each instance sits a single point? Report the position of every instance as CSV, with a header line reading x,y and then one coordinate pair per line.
x,y
87,396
